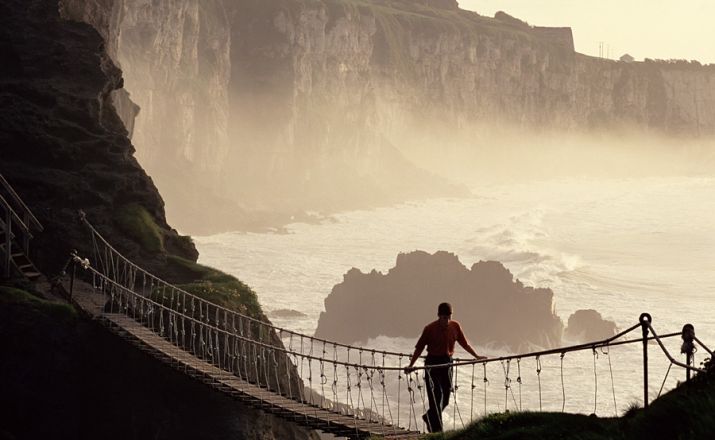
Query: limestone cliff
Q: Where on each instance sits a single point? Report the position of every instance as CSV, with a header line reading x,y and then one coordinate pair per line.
x,y
487,301
328,104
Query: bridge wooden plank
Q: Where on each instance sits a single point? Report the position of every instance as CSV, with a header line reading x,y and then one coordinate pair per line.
x,y
230,384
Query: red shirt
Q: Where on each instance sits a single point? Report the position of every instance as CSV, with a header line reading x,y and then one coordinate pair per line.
x,y
440,340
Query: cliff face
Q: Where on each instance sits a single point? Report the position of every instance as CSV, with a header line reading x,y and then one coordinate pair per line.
x,y
365,305
63,148
285,105
176,65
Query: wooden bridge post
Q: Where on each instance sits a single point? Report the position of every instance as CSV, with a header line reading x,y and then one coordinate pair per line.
x,y
645,320
688,347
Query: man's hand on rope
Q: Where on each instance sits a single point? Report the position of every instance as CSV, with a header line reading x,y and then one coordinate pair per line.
x,y
481,358
409,370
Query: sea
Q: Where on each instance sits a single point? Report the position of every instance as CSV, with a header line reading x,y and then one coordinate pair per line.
x,y
621,246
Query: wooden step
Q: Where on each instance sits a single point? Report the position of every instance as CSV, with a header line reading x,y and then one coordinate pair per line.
x,y
32,276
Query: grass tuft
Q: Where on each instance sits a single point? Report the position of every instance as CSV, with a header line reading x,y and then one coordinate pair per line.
x,y
10,295
135,221
218,287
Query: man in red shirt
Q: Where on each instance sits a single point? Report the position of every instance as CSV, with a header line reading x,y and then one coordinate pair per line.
x,y
439,338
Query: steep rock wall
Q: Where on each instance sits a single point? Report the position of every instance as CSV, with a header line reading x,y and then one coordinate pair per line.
x,y
176,64
284,105
63,148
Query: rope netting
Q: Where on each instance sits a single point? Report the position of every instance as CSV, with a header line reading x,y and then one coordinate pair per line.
x,y
368,384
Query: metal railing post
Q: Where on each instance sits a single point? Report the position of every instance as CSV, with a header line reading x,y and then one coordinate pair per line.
x,y
72,277
688,347
645,320
8,241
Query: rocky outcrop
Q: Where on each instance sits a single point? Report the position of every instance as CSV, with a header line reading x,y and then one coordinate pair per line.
x,y
326,105
487,301
63,147
589,325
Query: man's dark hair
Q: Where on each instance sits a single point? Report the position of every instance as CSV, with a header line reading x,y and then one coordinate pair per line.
x,y
444,309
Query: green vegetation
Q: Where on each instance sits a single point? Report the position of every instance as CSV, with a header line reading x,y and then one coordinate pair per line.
x,y
687,412
217,287
62,311
135,221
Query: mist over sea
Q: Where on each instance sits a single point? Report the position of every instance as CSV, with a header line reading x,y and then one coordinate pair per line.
x,y
620,246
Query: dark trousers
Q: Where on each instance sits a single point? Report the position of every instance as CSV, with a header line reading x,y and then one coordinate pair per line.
x,y
438,383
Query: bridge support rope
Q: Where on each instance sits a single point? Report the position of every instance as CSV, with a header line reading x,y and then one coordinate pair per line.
x,y
281,363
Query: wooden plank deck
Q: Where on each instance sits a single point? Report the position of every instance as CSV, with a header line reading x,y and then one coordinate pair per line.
x,y
225,382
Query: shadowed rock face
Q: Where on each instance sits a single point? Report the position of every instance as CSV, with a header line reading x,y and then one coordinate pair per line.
x,y
487,301
589,325
80,383
63,147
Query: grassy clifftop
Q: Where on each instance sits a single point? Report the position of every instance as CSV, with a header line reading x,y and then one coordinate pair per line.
x,y
687,412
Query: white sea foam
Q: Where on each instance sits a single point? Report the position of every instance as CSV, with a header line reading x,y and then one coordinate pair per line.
x,y
620,246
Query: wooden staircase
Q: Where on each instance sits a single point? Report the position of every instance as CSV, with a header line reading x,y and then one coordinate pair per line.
x,y
17,224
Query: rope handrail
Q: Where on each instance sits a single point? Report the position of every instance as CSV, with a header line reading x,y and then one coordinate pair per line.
x,y
695,338
568,349
225,309
598,344
226,332
22,204
239,345
456,362
668,355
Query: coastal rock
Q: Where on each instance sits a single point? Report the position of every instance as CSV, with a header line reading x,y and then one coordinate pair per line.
x,y
287,314
589,325
489,303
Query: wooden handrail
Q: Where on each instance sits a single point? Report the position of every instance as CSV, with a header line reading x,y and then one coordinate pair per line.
x,y
25,210
17,220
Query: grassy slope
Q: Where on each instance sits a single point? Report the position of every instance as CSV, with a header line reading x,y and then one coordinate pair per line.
x,y
205,282
14,296
217,287
687,412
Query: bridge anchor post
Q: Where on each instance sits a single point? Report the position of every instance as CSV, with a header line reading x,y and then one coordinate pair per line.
x,y
645,320
688,347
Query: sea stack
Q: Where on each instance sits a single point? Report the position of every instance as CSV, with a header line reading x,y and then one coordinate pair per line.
x,y
490,304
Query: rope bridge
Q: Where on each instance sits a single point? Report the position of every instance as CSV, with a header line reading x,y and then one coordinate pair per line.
x,y
344,389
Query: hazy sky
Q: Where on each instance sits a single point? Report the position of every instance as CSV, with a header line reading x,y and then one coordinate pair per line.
x,y
643,28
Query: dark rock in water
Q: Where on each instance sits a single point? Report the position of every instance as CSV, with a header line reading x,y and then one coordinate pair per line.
x,y
287,313
487,301
589,325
